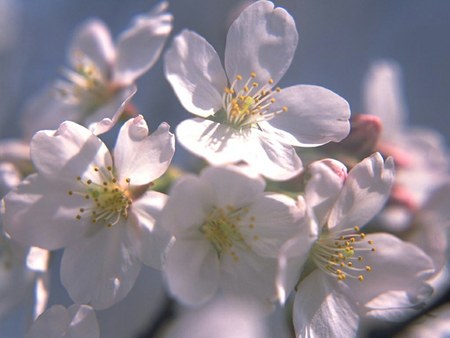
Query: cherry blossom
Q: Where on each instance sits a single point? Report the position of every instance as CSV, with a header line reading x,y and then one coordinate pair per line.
x,y
96,206
241,113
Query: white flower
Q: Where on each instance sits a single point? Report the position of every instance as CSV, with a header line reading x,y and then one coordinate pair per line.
x,y
242,115
78,321
349,274
102,80
228,232
94,205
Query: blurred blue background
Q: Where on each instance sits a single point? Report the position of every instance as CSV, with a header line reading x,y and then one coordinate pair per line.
x,y
338,41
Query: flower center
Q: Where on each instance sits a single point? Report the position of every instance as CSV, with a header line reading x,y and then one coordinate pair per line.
x,y
249,105
85,85
221,228
336,253
110,200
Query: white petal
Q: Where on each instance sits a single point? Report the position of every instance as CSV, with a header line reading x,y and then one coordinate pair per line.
x,y
104,118
275,219
261,40
293,255
326,180
273,159
101,268
315,115
149,238
217,143
189,204
365,191
78,321
140,156
46,110
322,310
193,68
192,270
139,47
396,266
232,186
250,275
67,152
93,40
41,213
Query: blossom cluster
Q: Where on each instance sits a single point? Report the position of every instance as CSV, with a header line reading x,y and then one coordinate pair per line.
x,y
299,209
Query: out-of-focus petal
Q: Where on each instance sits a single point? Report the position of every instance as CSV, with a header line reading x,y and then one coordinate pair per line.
x,y
93,40
139,47
78,321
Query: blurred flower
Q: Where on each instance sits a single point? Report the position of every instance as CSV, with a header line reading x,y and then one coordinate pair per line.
x,y
227,232
349,274
98,209
242,115
419,153
101,82
222,318
78,321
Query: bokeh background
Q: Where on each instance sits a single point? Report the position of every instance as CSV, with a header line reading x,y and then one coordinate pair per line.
x,y
339,40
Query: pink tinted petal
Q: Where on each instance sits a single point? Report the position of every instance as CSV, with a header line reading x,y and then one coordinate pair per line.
x,y
315,115
140,156
326,180
193,68
67,152
322,310
364,193
93,40
217,143
139,47
263,40
101,268
192,270
232,186
41,213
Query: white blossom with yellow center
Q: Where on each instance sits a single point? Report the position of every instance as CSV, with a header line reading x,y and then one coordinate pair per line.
x,y
100,79
347,274
241,113
227,234
97,206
